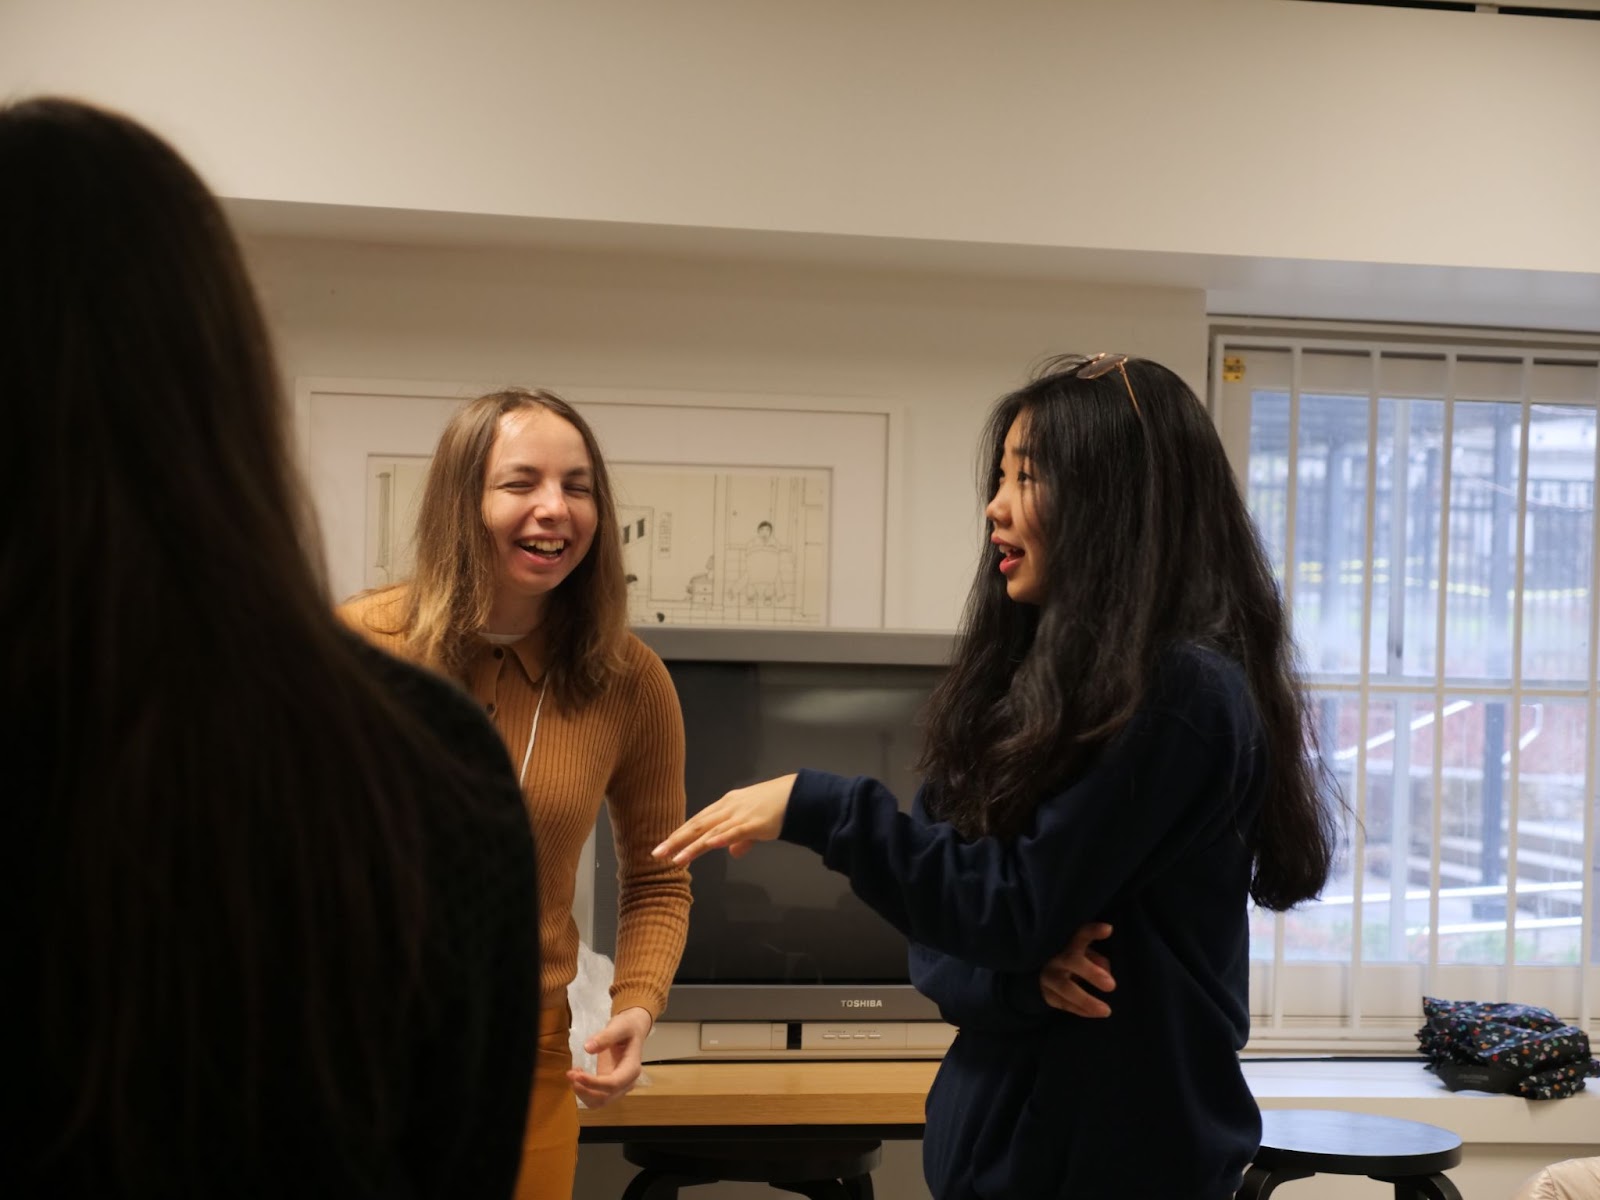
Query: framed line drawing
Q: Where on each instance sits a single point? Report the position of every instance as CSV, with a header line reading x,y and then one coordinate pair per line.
x,y
777,509
723,545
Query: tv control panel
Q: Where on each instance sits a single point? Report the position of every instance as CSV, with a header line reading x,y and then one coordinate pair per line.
x,y
797,1039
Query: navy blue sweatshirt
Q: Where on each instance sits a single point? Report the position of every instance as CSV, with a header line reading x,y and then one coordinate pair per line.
x,y
1153,838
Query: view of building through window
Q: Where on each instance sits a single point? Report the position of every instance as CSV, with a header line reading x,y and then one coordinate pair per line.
x,y
1431,517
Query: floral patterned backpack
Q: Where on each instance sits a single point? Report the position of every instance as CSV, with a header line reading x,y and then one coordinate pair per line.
x,y
1515,1048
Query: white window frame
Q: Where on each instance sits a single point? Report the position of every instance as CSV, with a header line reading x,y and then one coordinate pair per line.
x,y
1365,1006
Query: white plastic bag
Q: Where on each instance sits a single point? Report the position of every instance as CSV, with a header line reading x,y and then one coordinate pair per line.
x,y
589,998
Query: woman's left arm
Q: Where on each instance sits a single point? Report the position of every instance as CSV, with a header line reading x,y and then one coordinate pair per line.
x,y
646,802
645,798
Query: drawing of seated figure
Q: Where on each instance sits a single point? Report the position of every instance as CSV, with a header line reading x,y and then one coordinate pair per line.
x,y
702,587
762,581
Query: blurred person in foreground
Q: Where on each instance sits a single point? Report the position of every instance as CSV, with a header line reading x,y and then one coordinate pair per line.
x,y
272,892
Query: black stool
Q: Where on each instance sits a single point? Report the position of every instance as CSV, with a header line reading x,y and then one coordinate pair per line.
x,y
820,1170
1297,1143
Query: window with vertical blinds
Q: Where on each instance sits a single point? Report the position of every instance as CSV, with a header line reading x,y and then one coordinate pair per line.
x,y
1429,509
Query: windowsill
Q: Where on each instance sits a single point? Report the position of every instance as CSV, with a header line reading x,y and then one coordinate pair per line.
x,y
1402,1088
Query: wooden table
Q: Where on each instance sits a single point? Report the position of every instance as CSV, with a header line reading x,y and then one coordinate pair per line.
x,y
768,1099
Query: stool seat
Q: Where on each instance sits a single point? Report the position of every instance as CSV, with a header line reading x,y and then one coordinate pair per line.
x,y
822,1169
1298,1143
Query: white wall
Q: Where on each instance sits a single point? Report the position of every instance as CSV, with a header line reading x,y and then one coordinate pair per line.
x,y
1233,127
942,346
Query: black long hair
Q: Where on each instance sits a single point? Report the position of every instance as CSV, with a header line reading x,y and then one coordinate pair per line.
x,y
1148,544
218,825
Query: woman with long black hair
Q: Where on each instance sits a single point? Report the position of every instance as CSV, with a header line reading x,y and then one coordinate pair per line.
x,y
271,893
1121,739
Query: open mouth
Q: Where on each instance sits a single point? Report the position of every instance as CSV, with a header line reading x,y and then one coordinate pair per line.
x,y
545,549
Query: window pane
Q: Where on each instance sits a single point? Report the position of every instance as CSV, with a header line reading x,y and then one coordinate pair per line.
x,y
1550,830
1594,884
1261,934
1423,421
1399,829
1472,905
1389,505
1558,535
1309,500
1483,545
1331,532
1268,481
1321,930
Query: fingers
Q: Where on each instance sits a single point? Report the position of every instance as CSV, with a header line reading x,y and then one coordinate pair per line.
x,y
689,834
1062,991
1078,960
615,1076
1091,968
696,837
1065,978
750,814
711,840
622,1033
597,1091
1096,931
711,828
591,1097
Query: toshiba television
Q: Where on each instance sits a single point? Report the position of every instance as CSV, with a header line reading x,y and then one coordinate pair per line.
x,y
782,959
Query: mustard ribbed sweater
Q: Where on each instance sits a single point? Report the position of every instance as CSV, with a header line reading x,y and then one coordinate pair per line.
x,y
626,748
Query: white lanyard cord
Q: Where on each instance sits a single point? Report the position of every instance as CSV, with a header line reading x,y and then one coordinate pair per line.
x,y
533,733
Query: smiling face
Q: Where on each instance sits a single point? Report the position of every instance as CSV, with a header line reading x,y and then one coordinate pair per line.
x,y
1013,517
539,507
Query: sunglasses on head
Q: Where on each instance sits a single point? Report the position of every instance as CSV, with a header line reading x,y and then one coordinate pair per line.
x,y
1097,365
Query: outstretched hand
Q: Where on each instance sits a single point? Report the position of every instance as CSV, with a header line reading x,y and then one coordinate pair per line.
x,y
1060,980
738,821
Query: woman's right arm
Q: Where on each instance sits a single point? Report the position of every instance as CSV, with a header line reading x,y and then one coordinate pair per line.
x,y
978,998
973,997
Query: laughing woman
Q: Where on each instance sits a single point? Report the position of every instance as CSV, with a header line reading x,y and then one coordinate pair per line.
x,y
519,595
1119,739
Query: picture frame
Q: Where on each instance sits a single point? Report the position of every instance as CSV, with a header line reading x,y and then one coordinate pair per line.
x,y
348,429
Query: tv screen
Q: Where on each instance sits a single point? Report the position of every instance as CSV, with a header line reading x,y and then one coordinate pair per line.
x,y
758,709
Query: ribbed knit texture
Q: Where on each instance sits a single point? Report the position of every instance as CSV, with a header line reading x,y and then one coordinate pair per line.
x,y
625,748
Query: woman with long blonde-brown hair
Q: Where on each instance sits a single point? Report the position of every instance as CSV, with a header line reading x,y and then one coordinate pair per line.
x,y
519,594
